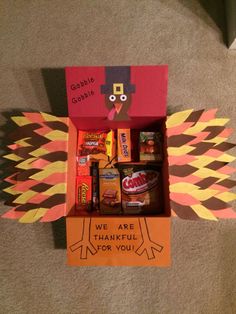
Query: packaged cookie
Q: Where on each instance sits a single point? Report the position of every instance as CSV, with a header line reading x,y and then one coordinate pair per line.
x,y
150,146
141,190
109,191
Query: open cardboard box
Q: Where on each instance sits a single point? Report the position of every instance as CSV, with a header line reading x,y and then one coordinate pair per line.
x,y
195,176
118,240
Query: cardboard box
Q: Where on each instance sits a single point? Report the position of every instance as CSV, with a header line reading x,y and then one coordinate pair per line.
x,y
195,176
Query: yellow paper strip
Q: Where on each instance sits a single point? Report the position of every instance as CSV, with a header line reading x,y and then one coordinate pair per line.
x,y
198,127
26,163
179,151
13,157
202,161
49,117
203,212
206,173
57,135
226,158
11,190
33,215
55,167
177,118
21,121
226,196
22,142
39,152
24,197
216,140
59,188
203,195
182,187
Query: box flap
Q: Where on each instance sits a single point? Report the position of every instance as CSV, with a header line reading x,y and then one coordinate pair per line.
x,y
39,181
117,93
199,176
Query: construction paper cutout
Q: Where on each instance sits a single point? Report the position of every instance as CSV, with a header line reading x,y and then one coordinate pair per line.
x,y
33,215
59,155
202,195
215,165
41,187
183,199
39,163
208,115
25,131
20,120
13,157
228,183
55,178
181,171
214,203
57,166
226,196
178,118
53,200
11,190
226,213
177,141
39,152
42,131
26,207
182,187
207,182
59,188
189,179
50,118
38,198
54,213
25,175
10,179
179,129
23,186
210,161
24,197
180,151
34,117
22,152
183,211
57,136
57,125
23,142
54,146
180,160
195,116
26,164
203,212
12,214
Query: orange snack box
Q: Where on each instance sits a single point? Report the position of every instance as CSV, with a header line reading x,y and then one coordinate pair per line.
x,y
124,145
84,190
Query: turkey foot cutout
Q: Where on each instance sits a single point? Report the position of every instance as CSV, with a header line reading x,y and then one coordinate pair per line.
x,y
84,244
147,245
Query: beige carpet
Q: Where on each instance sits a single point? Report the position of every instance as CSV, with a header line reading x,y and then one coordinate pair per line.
x,y
39,35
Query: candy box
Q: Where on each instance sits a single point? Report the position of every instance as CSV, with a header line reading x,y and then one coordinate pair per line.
x,y
194,174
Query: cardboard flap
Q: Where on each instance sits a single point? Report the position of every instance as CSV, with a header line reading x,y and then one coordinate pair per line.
x,y
199,174
38,184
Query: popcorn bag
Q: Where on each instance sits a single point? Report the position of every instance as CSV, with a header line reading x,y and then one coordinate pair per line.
x,y
118,168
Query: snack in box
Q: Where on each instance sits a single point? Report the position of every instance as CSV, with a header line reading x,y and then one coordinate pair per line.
x,y
124,145
91,142
84,190
83,165
109,191
141,191
150,146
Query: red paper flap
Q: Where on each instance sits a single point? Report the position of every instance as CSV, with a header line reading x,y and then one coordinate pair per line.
x,y
39,183
117,93
199,174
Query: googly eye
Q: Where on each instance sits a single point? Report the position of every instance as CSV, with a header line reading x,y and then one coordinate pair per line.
x,y
112,97
123,97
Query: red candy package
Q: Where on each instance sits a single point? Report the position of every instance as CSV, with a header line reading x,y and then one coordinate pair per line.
x,y
91,142
83,166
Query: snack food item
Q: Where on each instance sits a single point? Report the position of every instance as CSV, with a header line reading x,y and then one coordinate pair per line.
x,y
124,145
84,190
109,191
141,191
110,143
95,186
83,166
151,146
91,142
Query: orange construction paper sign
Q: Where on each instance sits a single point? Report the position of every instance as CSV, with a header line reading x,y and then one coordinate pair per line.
x,y
118,241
